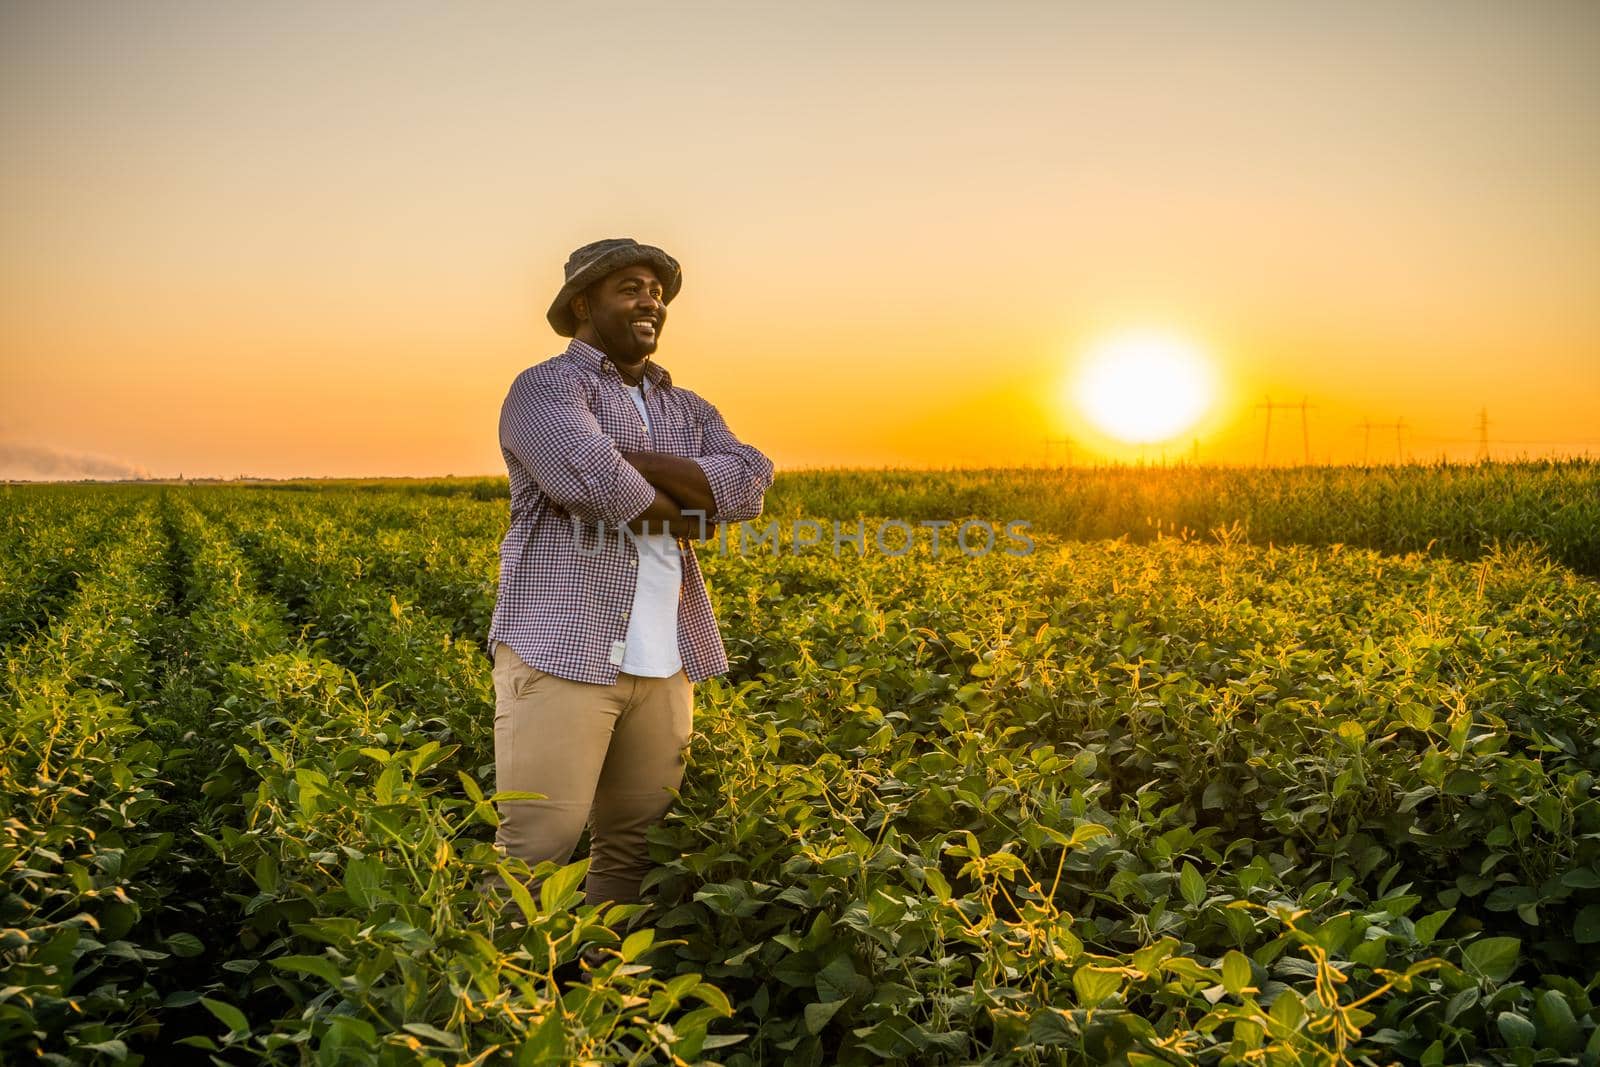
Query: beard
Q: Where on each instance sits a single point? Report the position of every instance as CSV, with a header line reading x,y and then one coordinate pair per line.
x,y
621,342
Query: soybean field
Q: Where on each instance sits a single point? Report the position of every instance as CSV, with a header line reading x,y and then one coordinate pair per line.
x,y
1229,767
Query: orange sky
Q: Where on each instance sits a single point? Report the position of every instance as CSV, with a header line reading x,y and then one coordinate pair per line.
x,y
319,239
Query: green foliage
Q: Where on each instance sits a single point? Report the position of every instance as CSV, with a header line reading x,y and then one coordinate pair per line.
x,y
1462,511
1167,803
80,799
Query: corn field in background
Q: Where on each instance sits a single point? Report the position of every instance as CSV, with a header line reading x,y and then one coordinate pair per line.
x,y
1251,767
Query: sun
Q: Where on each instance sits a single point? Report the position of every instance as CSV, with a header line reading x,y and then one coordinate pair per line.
x,y
1144,386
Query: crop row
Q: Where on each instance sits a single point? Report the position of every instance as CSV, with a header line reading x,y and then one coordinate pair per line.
x,y
1404,749
1389,665
359,853
1106,803
436,551
44,550
334,849
81,797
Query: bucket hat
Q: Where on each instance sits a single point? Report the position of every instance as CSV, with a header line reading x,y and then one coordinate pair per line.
x,y
594,261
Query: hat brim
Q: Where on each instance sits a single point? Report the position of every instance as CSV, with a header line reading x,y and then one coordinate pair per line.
x,y
560,315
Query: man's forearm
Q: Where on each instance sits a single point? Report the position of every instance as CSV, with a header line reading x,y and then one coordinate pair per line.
x,y
681,479
665,516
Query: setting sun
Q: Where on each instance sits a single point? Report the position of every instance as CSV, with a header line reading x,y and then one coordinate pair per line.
x,y
1144,386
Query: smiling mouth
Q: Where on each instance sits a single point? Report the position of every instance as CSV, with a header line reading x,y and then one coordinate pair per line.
x,y
646,326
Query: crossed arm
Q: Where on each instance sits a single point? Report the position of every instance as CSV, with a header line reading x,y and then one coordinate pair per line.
x,y
725,483
681,487
546,424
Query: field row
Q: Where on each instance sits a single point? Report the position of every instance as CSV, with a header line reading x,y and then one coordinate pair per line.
x,y
238,797
1105,803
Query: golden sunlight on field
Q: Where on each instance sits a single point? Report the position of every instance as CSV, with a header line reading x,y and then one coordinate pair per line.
x,y
1144,386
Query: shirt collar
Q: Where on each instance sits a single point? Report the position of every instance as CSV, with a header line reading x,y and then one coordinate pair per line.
x,y
599,363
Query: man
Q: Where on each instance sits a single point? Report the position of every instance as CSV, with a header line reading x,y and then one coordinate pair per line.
x,y
602,624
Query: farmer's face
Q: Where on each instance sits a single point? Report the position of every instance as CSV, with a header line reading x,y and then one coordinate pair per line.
x,y
623,314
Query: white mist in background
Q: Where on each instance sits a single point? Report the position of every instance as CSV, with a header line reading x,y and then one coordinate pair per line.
x,y
20,461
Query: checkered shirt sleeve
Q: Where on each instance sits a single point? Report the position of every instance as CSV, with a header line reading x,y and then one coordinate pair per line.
x,y
547,426
738,474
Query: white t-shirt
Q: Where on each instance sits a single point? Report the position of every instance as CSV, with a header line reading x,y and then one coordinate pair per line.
x,y
650,648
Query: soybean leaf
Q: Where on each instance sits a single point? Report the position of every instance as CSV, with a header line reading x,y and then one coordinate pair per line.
x,y
817,1014
436,1035
1493,958
228,1015
1586,929
1235,972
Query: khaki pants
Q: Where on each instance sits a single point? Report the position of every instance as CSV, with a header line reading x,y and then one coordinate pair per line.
x,y
610,751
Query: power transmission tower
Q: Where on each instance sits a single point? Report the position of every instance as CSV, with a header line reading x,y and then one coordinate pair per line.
x,y
1366,439
1483,435
1063,443
1266,433
1398,426
1305,427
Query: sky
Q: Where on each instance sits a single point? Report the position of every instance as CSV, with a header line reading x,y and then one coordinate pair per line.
x,y
319,239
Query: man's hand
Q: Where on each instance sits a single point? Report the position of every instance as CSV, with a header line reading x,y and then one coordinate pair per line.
x,y
681,479
694,528
665,516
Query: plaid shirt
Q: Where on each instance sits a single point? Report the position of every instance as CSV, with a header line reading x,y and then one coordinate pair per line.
x,y
568,569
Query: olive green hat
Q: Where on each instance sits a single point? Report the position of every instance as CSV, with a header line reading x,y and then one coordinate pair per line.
x,y
594,261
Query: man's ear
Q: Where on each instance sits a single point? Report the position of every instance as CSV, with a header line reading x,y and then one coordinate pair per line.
x,y
580,307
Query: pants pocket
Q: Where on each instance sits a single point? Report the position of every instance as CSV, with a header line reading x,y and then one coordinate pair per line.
x,y
513,679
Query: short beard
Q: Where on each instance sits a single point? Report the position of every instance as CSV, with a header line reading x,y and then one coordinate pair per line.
x,y
627,352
